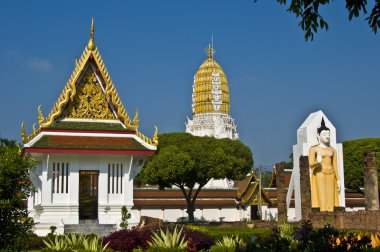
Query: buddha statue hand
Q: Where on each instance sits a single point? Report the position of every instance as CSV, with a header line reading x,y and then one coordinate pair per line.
x,y
319,158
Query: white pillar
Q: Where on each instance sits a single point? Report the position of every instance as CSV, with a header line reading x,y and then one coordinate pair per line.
x,y
128,177
46,181
74,181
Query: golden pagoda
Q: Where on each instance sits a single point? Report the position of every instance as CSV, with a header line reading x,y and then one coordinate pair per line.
x,y
210,92
211,101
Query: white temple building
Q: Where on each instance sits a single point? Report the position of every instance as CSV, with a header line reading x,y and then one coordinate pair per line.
x,y
89,152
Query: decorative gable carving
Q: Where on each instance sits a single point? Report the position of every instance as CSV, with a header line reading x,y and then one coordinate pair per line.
x,y
89,101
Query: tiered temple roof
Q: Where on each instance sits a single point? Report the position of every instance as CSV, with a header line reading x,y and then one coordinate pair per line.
x,y
88,116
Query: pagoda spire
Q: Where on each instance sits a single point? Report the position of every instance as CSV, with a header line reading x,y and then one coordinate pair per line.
x,y
210,52
91,43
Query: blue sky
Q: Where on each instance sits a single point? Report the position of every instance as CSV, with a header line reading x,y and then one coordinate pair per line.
x,y
152,49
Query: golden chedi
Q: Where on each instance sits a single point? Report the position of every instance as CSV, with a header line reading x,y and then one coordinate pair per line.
x,y
211,102
210,93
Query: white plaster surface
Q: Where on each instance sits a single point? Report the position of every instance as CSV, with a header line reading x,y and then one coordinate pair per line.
x,y
52,209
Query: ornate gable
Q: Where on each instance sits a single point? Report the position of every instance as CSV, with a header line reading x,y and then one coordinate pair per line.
x,y
89,61
89,94
89,101
250,190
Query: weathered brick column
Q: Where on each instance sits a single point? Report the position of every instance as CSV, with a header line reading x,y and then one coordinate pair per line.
x,y
371,189
281,193
305,187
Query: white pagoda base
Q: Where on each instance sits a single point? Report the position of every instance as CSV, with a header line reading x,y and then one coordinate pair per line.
x,y
218,125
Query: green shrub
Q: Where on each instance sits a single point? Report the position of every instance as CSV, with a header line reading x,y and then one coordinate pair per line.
x,y
216,248
34,242
230,242
125,216
168,240
73,242
227,244
59,243
305,238
15,186
245,233
353,156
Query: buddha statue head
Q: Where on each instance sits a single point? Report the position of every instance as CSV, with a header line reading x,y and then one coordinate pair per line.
x,y
323,134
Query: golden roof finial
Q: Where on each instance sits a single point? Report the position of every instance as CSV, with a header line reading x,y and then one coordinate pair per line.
x,y
23,133
41,118
91,43
34,129
136,119
210,52
19,149
155,136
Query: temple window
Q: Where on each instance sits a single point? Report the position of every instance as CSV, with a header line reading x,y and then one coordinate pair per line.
x,y
115,178
60,177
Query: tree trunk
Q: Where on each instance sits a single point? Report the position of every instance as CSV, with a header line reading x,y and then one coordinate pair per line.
x,y
190,200
190,211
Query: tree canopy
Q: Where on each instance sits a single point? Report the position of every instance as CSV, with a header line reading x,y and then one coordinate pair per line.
x,y
15,186
312,20
189,162
353,157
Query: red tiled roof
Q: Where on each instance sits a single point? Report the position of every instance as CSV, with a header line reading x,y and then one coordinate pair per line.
x,y
242,184
88,144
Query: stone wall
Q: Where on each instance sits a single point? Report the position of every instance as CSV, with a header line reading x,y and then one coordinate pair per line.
x,y
281,193
364,220
305,187
371,188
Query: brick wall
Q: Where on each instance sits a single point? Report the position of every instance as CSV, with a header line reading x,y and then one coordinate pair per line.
x,y
281,193
364,220
305,187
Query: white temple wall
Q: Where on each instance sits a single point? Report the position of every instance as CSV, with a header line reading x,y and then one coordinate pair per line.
x,y
180,215
211,215
57,202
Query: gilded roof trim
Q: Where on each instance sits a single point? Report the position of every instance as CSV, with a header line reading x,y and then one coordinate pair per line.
x,y
90,52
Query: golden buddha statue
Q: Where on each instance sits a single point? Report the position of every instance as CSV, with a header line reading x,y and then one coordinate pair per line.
x,y
324,172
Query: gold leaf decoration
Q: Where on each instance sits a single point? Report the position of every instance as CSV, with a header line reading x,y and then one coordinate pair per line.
x,y
155,136
89,102
24,137
41,118
135,119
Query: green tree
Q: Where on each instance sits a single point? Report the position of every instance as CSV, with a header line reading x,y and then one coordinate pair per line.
x,y
353,158
266,178
288,164
15,186
125,216
189,162
312,20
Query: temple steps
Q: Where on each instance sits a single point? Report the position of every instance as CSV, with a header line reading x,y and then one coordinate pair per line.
x,y
91,227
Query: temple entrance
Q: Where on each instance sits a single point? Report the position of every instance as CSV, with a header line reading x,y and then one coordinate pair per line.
x,y
255,214
88,195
